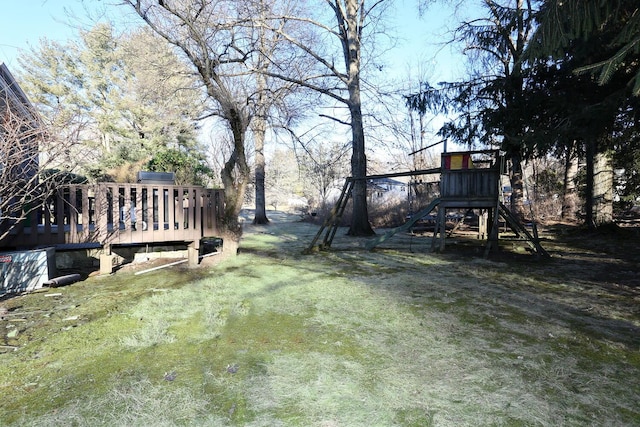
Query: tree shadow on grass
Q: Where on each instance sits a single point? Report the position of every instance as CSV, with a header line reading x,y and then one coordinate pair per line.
x,y
590,283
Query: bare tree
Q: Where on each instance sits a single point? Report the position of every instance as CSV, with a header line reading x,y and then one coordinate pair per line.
x,y
33,161
211,36
223,43
279,103
268,95
333,38
324,165
412,145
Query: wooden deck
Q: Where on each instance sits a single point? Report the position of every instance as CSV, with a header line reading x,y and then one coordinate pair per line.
x,y
108,214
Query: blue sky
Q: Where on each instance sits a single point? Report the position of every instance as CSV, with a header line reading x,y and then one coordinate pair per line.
x,y
419,51
24,22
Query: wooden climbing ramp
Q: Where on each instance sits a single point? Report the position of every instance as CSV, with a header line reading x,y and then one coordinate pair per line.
x,y
404,227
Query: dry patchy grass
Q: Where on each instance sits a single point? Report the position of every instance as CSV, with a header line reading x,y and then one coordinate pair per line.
x,y
341,338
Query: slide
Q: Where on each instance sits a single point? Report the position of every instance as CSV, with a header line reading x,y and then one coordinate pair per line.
x,y
404,227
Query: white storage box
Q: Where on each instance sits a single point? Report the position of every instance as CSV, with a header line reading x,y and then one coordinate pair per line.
x,y
24,271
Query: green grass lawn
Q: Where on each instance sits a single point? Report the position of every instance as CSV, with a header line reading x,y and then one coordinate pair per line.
x,y
341,338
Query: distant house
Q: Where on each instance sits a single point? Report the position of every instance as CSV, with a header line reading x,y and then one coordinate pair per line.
x,y
382,188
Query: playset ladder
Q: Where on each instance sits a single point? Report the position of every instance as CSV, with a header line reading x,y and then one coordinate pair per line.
x,y
532,240
331,224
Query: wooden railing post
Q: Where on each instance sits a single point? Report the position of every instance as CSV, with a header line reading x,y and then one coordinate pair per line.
x,y
171,208
73,214
139,226
198,194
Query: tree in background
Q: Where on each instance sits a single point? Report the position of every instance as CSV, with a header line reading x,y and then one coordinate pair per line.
x,y
273,98
490,105
188,168
563,22
165,85
592,47
412,144
322,170
128,95
335,35
284,183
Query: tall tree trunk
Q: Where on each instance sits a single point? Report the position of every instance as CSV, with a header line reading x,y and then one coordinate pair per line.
x,y
260,216
235,176
259,126
533,198
569,194
603,189
352,27
360,225
517,186
590,150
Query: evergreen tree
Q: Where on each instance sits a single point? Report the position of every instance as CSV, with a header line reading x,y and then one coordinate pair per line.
x,y
128,95
490,105
588,53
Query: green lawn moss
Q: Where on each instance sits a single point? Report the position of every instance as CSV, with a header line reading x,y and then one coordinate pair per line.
x,y
272,337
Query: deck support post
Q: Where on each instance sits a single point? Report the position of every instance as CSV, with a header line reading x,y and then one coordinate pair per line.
x,y
193,251
106,261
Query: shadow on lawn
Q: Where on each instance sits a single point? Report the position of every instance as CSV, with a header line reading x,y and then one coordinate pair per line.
x,y
591,283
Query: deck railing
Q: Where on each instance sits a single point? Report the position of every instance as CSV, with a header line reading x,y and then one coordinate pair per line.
x,y
110,213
